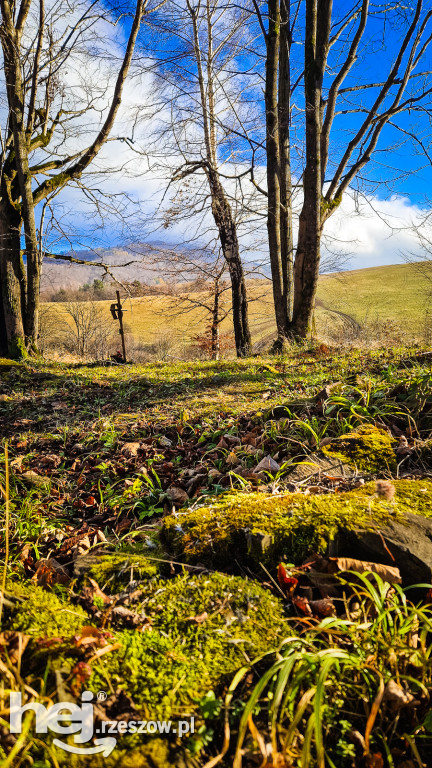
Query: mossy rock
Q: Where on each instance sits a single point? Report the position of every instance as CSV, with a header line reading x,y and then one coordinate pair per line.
x,y
113,572
368,448
253,528
203,628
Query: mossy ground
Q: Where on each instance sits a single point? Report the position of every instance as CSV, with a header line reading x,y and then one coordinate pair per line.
x,y
69,423
201,630
41,613
114,572
184,653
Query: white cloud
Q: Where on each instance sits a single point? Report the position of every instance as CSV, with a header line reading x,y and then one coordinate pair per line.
x,y
373,232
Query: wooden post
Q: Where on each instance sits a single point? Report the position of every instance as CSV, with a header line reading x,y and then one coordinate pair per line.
x,y
120,319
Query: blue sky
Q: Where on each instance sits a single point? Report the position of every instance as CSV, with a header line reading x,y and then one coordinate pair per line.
x,y
396,183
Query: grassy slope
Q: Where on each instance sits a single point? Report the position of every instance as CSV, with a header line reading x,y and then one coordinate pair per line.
x,y
397,293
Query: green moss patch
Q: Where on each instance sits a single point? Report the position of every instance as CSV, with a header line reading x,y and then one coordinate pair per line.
x,y
114,572
253,528
6,364
40,613
200,630
368,448
203,628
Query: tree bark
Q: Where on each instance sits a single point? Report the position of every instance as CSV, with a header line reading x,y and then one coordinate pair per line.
x,y
318,21
13,281
284,112
279,187
221,208
11,39
274,165
22,317
215,344
225,223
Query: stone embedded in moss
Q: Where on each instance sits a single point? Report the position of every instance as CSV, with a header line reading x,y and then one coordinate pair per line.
x,y
232,529
114,572
368,448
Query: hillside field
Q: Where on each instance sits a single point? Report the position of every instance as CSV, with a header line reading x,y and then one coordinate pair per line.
x,y
397,294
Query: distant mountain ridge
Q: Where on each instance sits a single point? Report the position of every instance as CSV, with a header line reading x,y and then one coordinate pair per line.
x,y
58,273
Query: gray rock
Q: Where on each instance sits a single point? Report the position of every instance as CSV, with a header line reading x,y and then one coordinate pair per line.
x,y
410,545
37,481
316,464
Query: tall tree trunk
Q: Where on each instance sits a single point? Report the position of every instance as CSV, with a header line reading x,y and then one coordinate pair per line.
x,y
273,165
221,208
21,116
279,187
15,92
215,342
13,282
318,21
227,229
284,112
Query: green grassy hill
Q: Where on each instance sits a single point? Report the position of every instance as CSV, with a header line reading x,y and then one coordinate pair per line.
x,y
397,292
395,296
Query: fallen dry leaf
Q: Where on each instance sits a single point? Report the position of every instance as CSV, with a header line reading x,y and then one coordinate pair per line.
x,y
387,572
302,604
92,636
49,572
396,697
324,607
199,619
130,449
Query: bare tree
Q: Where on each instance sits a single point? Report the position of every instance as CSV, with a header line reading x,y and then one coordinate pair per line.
x,y
38,158
401,87
421,256
342,118
87,330
196,283
199,87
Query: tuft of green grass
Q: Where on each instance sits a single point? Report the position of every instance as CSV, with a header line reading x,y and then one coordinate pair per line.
x,y
353,674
